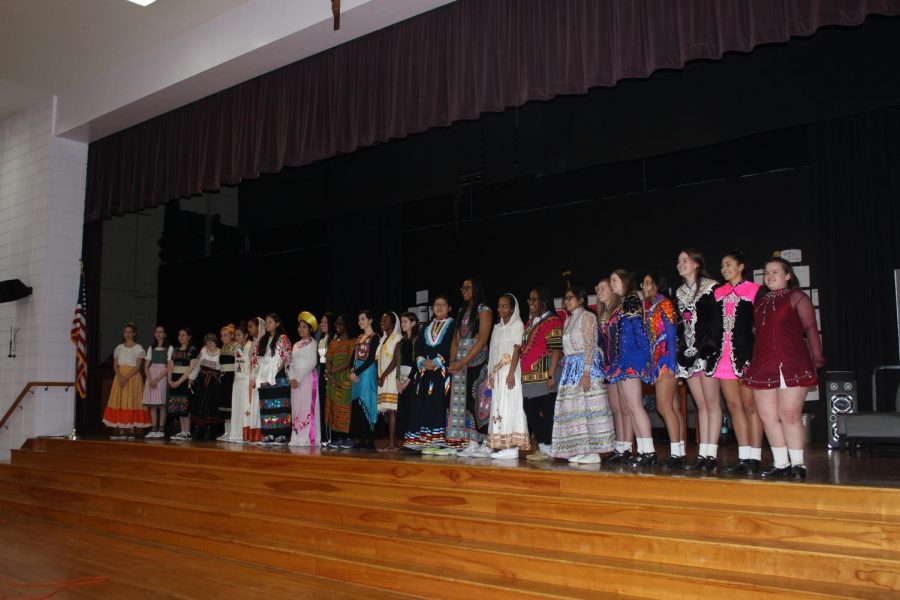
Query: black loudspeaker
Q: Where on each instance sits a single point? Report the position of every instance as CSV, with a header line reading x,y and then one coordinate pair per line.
x,y
841,399
13,289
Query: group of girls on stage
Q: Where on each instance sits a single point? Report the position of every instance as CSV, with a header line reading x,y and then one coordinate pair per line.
x,y
473,385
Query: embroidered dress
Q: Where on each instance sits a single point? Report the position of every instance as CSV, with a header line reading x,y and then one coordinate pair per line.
x,y
583,421
304,398
786,334
340,353
124,409
542,336
364,411
428,410
699,338
628,349
240,395
508,427
273,388
159,361
226,381
251,432
387,350
736,306
660,320
180,397
470,409
205,402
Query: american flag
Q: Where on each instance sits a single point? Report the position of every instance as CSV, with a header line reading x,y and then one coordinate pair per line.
x,y
79,338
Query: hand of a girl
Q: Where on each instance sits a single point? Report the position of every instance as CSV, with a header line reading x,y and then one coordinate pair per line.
x,y
511,380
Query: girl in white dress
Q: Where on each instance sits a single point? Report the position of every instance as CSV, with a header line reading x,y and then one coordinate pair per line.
x,y
508,429
240,391
387,358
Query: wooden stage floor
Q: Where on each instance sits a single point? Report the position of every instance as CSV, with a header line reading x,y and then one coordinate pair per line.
x,y
874,466
154,519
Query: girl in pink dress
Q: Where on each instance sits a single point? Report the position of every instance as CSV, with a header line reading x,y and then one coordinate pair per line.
x,y
736,298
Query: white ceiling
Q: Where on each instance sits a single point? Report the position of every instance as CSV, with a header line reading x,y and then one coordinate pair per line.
x,y
113,64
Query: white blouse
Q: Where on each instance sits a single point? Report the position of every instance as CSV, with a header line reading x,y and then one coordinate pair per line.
x,y
128,357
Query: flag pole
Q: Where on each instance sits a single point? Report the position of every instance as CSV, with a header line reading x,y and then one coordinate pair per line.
x,y
79,335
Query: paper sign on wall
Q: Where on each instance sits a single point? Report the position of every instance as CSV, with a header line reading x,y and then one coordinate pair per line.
x,y
802,273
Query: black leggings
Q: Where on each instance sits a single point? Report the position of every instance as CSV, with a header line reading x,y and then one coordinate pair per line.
x,y
539,411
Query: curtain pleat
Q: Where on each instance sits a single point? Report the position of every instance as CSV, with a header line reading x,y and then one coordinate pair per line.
x,y
455,62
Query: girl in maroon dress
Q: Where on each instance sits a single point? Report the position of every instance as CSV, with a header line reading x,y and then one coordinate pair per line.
x,y
786,354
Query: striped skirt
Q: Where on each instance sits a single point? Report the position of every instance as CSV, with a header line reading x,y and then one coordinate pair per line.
x,y
582,421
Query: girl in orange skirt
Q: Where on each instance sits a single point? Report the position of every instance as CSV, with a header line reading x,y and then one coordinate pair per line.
x,y
124,411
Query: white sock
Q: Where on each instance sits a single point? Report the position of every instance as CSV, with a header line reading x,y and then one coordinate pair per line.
x,y
780,457
712,450
702,450
626,446
648,445
620,446
755,453
796,456
743,452
675,449
681,450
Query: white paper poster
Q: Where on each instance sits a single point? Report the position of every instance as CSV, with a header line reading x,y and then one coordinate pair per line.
x,y
802,273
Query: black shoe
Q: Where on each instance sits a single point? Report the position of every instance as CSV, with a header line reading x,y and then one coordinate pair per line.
x,y
710,465
751,466
798,472
674,463
647,459
697,464
619,457
738,467
774,471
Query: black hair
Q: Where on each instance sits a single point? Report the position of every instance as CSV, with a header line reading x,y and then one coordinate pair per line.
x,y
545,300
478,296
739,258
348,324
330,318
267,342
579,292
661,283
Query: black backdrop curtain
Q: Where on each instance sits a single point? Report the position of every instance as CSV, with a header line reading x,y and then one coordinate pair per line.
x,y
856,171
456,62
364,268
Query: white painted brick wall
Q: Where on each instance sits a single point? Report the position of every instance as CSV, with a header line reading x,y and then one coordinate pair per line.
x,y
42,181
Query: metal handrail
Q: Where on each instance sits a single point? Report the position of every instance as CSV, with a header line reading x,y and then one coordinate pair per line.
x,y
874,391
33,384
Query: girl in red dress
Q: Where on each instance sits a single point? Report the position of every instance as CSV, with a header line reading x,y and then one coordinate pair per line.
x,y
786,354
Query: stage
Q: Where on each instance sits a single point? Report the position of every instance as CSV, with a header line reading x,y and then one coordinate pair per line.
x,y
147,519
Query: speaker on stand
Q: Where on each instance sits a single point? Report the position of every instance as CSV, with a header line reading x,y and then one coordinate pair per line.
x,y
841,399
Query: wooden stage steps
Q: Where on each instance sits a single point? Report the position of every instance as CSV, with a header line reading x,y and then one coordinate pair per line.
x,y
349,525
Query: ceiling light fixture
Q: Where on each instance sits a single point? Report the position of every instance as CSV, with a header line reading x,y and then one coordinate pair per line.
x,y
143,2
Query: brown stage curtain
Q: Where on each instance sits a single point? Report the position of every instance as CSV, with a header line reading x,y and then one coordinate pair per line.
x,y
455,62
